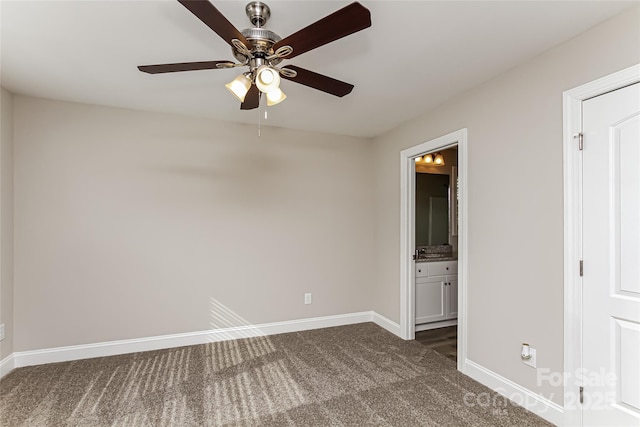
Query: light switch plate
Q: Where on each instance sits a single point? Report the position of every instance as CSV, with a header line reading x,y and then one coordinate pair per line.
x,y
307,298
1,332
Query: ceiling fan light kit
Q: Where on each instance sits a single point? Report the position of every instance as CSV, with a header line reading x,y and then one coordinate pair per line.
x,y
239,86
262,50
275,96
267,79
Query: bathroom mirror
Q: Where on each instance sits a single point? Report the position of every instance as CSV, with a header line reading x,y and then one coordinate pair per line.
x,y
432,209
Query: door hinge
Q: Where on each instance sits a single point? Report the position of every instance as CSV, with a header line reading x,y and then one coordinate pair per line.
x,y
581,268
580,138
581,394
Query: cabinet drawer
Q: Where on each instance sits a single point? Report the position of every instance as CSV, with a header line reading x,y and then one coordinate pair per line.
x,y
442,268
422,269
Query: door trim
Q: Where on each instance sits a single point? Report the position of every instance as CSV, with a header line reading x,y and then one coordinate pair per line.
x,y
572,182
407,235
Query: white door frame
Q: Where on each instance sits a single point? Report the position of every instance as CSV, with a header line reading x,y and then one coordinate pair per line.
x,y
407,235
572,176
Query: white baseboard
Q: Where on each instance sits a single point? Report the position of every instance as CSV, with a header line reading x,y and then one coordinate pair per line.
x,y
7,365
111,348
533,402
385,323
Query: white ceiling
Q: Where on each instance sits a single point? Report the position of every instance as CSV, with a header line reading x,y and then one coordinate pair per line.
x,y
416,55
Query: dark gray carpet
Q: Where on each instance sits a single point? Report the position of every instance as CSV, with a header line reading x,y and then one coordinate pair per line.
x,y
346,376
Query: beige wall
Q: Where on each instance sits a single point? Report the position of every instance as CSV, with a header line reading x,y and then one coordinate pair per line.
x,y
132,224
6,222
515,237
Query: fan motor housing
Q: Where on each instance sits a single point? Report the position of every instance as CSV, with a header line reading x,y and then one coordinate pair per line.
x,y
261,39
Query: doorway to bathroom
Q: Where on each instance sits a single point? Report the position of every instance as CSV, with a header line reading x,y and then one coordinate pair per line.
x,y
436,249
451,281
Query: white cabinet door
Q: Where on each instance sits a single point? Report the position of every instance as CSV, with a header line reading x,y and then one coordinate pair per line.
x,y
430,299
452,297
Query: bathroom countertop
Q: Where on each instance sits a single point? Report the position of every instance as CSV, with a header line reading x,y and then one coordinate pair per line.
x,y
436,259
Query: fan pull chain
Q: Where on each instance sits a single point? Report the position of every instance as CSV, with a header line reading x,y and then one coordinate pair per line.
x,y
266,116
264,105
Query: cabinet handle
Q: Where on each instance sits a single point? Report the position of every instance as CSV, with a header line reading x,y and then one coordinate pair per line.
x,y
419,271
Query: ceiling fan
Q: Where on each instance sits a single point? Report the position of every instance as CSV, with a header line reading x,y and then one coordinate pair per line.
x,y
262,50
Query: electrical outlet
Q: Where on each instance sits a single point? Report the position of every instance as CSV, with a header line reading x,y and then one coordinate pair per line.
x,y
307,298
531,361
1,332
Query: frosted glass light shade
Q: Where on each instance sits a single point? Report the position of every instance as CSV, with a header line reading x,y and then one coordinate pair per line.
x,y
439,160
267,79
428,158
275,96
239,86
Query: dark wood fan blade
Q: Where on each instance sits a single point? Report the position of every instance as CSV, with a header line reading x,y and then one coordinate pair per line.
x,y
252,100
348,20
320,82
207,13
181,66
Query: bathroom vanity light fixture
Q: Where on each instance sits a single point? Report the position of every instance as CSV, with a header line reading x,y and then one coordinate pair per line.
x,y
435,159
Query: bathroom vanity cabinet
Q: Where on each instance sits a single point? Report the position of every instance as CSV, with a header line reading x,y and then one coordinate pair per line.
x,y
436,291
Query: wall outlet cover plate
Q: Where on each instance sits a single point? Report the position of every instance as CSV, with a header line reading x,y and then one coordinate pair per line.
x,y
532,361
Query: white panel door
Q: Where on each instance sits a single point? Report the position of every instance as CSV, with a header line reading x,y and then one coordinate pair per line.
x,y
611,254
